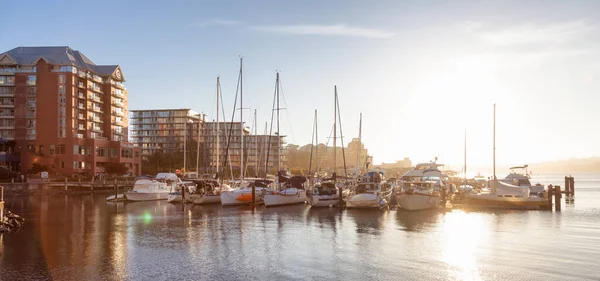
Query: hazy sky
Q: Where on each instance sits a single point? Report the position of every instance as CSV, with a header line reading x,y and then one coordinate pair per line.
x,y
420,71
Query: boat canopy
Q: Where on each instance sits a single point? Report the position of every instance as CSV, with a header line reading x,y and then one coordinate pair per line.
x,y
518,167
167,176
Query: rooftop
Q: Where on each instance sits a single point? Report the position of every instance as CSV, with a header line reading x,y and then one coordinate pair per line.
x,y
57,55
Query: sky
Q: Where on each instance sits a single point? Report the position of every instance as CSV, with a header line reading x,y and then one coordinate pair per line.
x,y
421,72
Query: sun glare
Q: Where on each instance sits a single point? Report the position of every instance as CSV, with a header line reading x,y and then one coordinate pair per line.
x,y
462,234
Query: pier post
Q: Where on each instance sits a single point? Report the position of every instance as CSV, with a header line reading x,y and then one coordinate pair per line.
x,y
550,194
557,196
116,191
253,194
66,188
572,186
443,194
567,185
340,199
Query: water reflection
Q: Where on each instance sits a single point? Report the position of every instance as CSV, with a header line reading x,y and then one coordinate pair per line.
x,y
417,220
367,221
462,234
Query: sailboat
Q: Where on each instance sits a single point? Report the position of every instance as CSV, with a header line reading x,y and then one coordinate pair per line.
x,y
290,189
504,195
208,191
242,194
326,193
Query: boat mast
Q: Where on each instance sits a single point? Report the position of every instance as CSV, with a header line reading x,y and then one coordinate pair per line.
x,y
317,143
278,133
334,133
359,145
494,144
241,123
256,145
465,171
185,144
200,117
218,131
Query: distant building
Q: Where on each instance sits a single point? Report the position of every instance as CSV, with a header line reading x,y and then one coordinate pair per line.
x,y
164,130
401,164
64,111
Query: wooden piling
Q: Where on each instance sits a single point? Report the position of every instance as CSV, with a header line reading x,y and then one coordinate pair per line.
x,y
253,195
340,199
183,187
116,191
550,195
557,197
66,187
567,185
572,186
443,195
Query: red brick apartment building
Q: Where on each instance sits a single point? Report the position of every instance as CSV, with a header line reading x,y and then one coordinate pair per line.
x,y
59,109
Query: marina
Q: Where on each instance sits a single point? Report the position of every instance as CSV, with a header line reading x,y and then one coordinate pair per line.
x,y
300,242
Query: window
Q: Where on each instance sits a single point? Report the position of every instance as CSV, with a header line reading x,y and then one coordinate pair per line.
x,y
41,149
31,91
7,80
51,149
114,153
60,149
62,165
31,80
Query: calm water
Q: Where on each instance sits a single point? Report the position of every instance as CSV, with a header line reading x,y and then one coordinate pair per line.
x,y
81,237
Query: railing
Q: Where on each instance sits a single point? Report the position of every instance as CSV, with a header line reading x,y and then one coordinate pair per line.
x,y
80,85
79,136
95,98
81,74
81,95
97,89
118,113
80,116
8,70
100,138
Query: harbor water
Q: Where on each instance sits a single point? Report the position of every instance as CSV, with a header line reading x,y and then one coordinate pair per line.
x,y
82,237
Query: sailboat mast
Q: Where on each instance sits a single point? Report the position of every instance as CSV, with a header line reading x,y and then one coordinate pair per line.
x,y
359,144
200,118
465,171
255,125
494,143
218,132
317,142
278,133
334,132
241,123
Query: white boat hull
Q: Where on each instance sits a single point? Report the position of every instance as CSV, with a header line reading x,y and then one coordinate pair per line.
x,y
243,196
140,196
286,197
202,199
366,201
415,201
502,202
327,200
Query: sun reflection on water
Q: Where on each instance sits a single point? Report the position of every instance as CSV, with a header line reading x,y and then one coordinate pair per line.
x,y
462,235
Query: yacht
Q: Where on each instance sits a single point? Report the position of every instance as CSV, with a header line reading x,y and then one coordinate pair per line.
x,y
519,175
326,194
420,188
157,188
242,195
371,191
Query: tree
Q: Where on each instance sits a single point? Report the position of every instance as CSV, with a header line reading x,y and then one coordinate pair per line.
x,y
118,169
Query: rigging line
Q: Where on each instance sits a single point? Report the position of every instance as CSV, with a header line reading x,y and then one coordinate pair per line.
x,y
312,146
342,137
271,131
226,131
231,127
287,113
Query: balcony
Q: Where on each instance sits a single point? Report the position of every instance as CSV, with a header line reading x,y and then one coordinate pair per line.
x,y
4,105
81,74
119,113
81,106
95,98
7,94
119,104
81,95
95,88
81,127
117,84
79,136
8,71
96,109
95,119
81,85
80,117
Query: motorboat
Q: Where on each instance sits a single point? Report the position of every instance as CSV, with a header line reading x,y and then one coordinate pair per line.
x,y
291,191
420,189
157,188
206,191
242,195
326,194
371,192
519,175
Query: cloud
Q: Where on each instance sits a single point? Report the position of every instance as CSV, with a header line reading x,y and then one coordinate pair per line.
x,y
532,34
217,22
333,30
